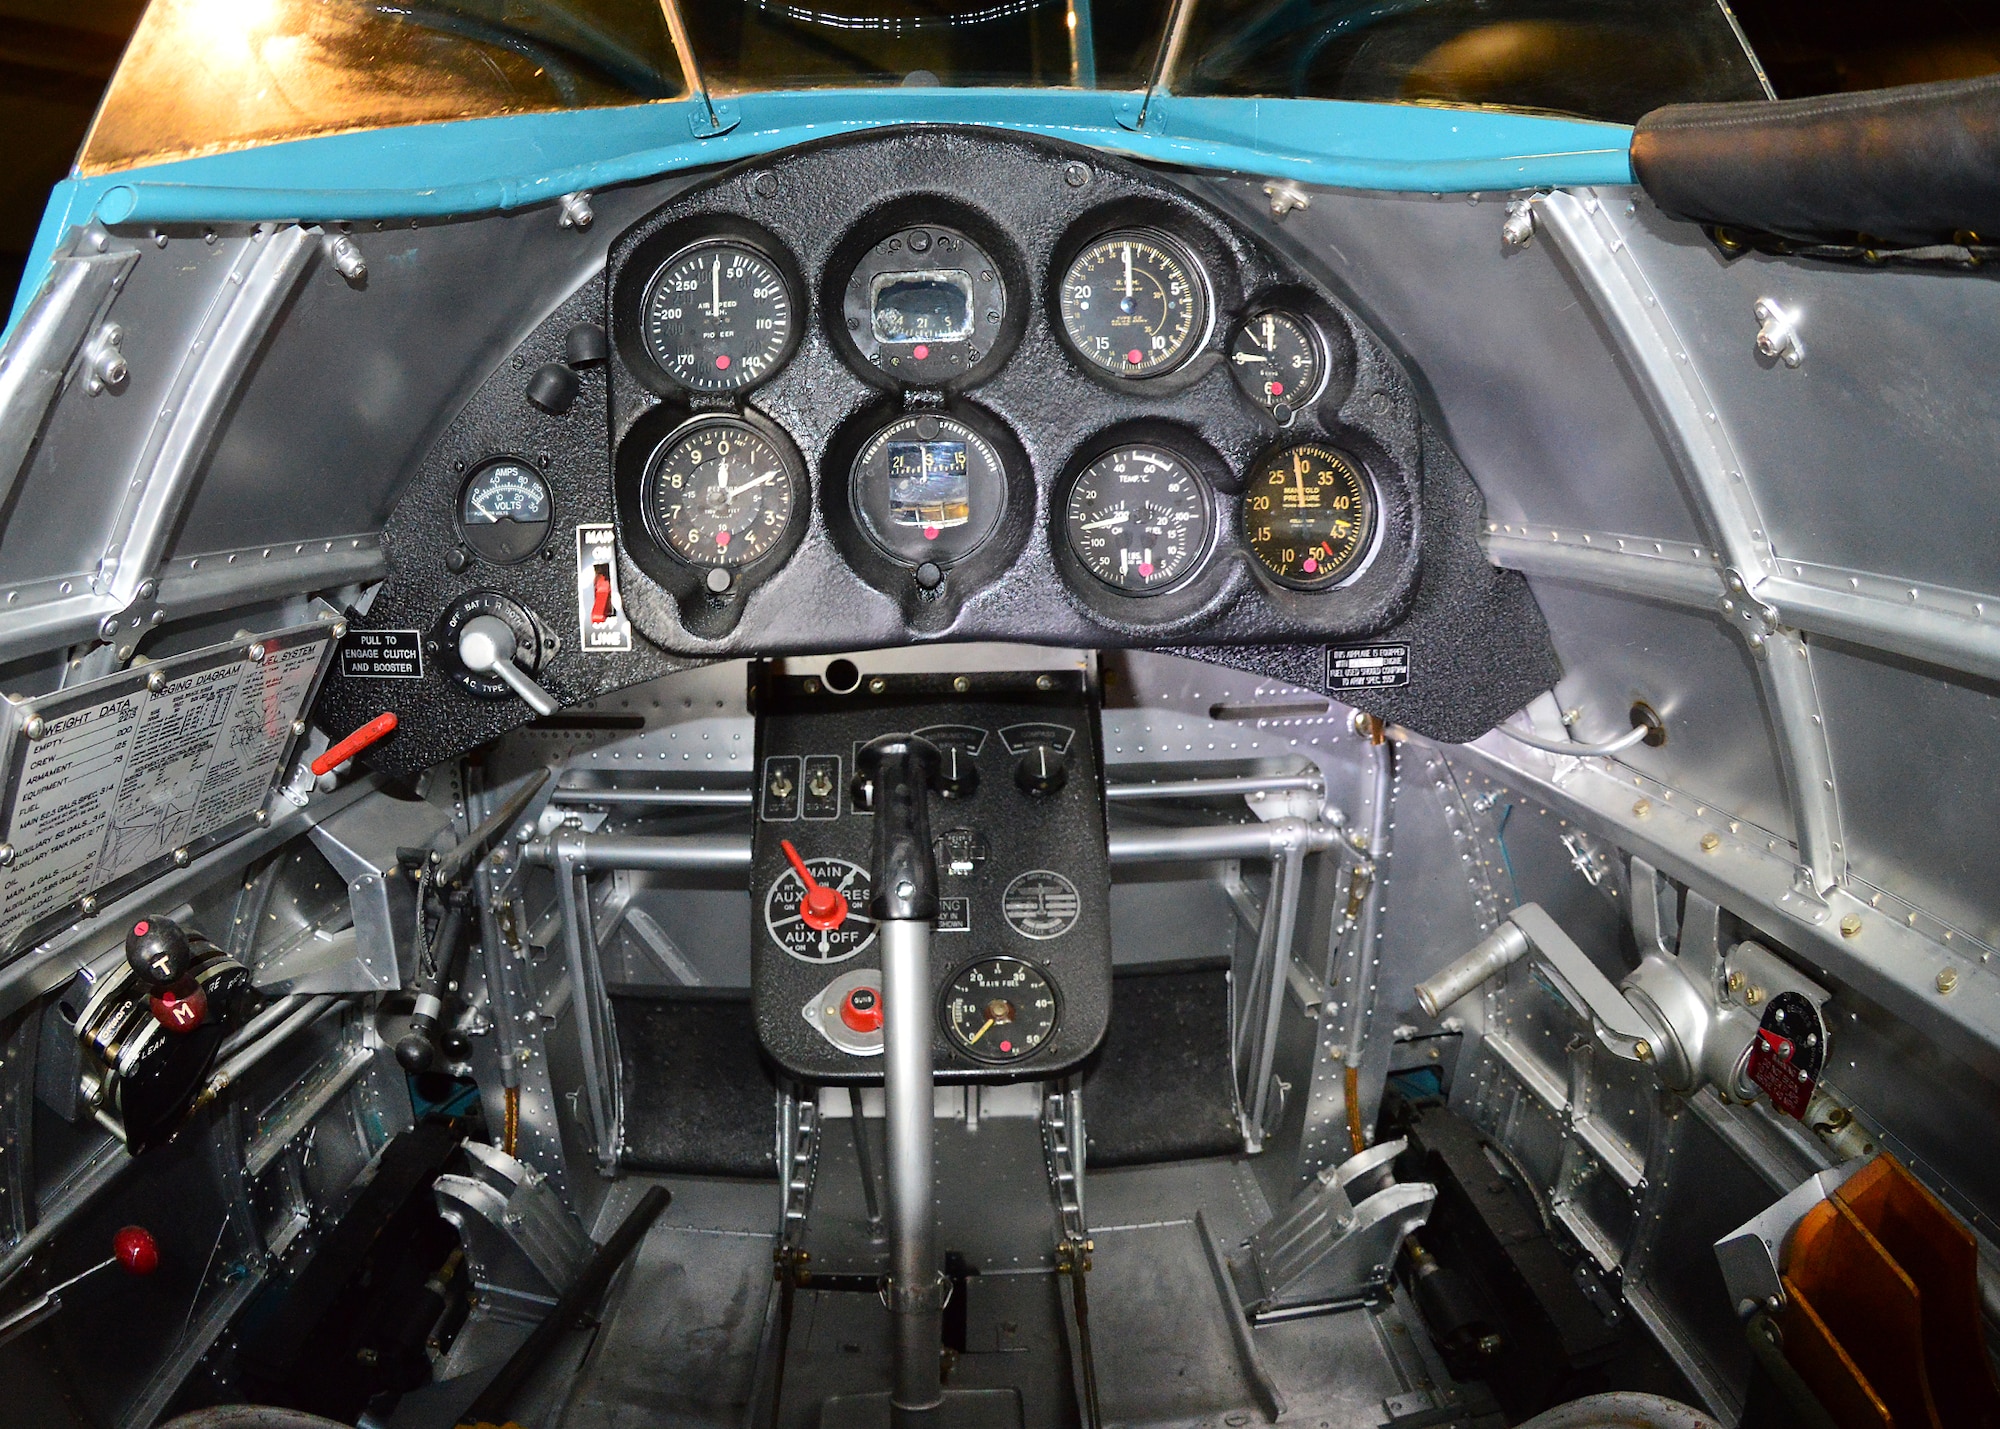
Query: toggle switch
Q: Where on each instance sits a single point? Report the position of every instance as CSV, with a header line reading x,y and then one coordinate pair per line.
x,y
600,595
486,646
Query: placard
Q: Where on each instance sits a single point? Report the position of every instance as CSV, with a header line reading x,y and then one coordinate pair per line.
x,y
109,783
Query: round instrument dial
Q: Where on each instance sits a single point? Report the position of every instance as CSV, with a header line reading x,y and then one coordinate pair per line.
x,y
786,924
1275,358
719,317
1137,518
1134,304
1309,515
928,488
1000,1009
504,511
1041,904
718,492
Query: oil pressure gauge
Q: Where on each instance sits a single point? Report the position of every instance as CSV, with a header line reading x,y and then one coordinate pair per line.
x,y
504,511
1000,1009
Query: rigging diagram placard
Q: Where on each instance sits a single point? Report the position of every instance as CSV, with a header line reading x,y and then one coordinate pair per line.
x,y
108,782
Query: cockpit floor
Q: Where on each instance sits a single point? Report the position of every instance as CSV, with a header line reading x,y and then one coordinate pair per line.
x,y
680,1336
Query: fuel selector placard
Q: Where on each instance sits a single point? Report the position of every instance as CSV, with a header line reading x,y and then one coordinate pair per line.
x,y
1021,956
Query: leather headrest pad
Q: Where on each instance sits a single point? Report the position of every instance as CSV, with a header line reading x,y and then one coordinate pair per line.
x,y
1907,166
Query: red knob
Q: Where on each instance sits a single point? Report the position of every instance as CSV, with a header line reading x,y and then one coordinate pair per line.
x,y
861,1010
136,1250
180,1008
823,909
377,728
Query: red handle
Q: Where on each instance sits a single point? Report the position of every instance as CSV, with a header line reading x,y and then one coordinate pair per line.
x,y
136,1250
340,753
600,602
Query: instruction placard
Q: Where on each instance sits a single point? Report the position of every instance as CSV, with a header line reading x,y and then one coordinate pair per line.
x,y
1367,667
121,774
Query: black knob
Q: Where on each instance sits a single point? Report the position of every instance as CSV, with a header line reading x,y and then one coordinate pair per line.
x,y
1041,770
958,776
415,1054
158,951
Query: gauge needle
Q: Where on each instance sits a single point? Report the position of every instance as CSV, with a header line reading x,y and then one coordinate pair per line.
x,y
1269,341
980,1033
1128,270
736,491
715,289
1118,519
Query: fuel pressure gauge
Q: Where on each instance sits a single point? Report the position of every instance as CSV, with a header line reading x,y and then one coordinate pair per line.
x,y
504,511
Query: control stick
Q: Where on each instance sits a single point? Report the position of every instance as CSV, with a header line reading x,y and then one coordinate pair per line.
x,y
486,646
903,771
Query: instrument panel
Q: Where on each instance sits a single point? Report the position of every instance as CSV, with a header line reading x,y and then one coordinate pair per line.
x,y
1068,390
883,389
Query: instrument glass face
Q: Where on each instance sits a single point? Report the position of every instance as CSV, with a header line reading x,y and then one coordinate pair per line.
x,y
1134,304
1000,1009
1275,358
1137,518
928,488
504,512
788,929
1309,515
718,317
718,492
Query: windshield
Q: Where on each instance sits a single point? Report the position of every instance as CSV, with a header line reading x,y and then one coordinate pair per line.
x,y
203,76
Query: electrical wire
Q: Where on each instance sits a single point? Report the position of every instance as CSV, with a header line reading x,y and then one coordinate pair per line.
x,y
1572,748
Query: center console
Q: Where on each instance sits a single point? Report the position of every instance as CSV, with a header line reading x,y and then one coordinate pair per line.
x,y
1021,960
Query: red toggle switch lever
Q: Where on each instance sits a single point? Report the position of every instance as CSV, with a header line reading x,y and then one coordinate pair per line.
x,y
822,909
600,599
376,728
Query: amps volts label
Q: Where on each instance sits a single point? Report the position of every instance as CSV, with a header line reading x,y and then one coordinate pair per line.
x,y
382,655
1367,667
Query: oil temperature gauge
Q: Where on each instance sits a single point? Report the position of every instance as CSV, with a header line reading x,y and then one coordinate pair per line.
x,y
504,511
999,1009
1137,518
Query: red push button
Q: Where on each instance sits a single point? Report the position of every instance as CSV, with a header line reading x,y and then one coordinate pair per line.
x,y
861,1010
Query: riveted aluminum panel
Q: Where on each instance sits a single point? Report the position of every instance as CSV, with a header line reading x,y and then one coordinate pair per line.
x,y
1687,666
1914,757
1875,453
1533,397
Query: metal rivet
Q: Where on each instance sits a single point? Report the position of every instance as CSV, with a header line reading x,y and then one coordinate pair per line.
x,y
88,904
877,685
156,681
1045,682
1641,809
1711,842
182,858
6,855
961,684
36,727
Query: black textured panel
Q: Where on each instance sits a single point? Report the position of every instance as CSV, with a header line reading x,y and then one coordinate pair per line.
x,y
437,718
824,204
699,1100
1161,1088
1479,648
1001,833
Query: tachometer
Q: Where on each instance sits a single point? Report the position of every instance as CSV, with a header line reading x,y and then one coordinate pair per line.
x,y
1137,518
1275,358
1000,1009
1309,515
1134,304
504,511
719,317
719,492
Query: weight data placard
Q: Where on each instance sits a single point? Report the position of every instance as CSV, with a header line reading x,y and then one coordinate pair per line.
x,y
121,776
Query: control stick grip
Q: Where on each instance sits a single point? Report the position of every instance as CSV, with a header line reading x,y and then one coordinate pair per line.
x,y
904,772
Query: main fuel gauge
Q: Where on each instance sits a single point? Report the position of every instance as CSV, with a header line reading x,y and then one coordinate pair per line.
x,y
1137,518
1000,1009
